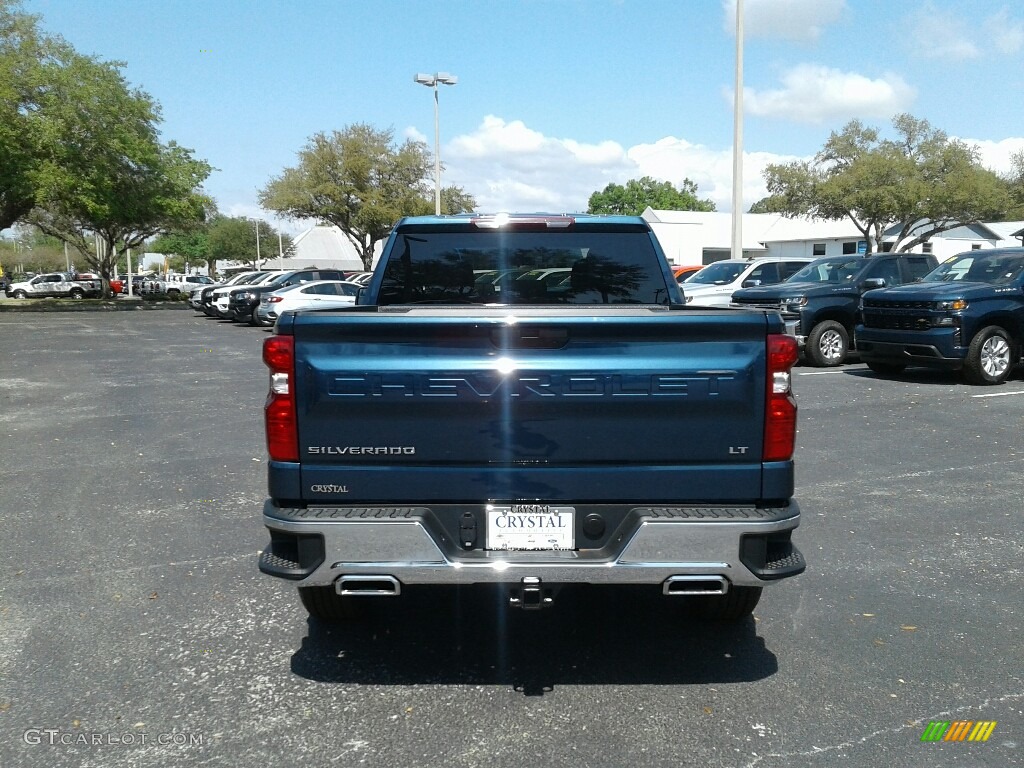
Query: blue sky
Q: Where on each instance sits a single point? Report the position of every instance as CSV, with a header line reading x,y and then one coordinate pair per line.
x,y
556,98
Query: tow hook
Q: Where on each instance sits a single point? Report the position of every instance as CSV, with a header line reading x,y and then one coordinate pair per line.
x,y
530,595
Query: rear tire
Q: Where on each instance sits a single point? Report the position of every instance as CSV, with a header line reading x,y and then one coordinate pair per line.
x,y
828,344
325,604
990,357
734,605
19,294
888,369
77,293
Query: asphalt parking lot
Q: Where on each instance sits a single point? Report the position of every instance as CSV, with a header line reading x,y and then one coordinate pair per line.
x,y
135,629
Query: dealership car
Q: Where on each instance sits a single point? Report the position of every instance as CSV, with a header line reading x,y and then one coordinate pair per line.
x,y
819,303
967,315
214,295
54,284
360,278
683,274
203,302
178,284
243,302
714,285
320,294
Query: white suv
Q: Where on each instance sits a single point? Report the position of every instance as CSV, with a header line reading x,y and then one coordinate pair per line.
x,y
713,286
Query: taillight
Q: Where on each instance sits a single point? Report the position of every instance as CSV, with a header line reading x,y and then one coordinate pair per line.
x,y
279,411
275,299
780,407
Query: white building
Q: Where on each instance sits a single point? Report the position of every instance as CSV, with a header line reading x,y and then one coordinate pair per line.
x,y
319,246
696,237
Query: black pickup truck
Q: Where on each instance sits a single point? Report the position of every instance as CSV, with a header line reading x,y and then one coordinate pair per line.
x,y
819,303
967,315
455,429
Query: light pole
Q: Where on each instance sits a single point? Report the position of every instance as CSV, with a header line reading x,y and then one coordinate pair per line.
x,y
431,81
256,223
737,142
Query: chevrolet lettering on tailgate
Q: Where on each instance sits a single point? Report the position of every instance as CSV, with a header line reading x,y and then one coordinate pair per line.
x,y
548,385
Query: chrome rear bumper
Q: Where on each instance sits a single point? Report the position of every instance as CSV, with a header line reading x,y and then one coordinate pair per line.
x,y
745,546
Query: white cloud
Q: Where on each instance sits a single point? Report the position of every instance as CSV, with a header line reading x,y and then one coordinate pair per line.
x,y
946,35
507,166
942,35
801,20
414,134
673,160
995,155
1007,34
813,93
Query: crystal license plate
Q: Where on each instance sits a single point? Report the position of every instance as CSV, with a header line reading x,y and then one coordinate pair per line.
x,y
530,526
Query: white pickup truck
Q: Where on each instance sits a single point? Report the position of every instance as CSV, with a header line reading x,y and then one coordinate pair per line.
x,y
54,284
176,284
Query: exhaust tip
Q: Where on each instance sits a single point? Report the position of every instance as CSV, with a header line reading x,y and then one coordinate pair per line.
x,y
695,585
368,586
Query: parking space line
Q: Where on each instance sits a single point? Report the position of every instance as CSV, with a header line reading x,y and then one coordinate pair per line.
x,y
999,394
822,373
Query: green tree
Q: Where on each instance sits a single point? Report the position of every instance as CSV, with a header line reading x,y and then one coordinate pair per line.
x,y
234,239
27,61
768,204
125,201
1015,182
358,180
639,194
80,154
185,247
114,178
922,182
456,200
73,134
30,250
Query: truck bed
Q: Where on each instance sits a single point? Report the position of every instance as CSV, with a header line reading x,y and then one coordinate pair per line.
x,y
530,408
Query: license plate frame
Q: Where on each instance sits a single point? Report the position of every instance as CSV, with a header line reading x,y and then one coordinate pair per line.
x,y
537,527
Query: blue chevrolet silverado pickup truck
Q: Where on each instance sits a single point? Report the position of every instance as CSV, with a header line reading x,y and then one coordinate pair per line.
x,y
525,400
966,315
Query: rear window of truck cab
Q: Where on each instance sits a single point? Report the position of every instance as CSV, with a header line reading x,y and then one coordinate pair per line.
x,y
458,264
832,269
999,268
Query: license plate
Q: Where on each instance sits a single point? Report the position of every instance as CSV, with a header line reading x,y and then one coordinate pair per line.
x,y
530,526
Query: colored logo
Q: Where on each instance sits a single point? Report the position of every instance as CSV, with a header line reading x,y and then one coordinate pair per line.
x,y
958,730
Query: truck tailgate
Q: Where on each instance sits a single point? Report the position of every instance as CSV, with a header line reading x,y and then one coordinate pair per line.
x,y
469,404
